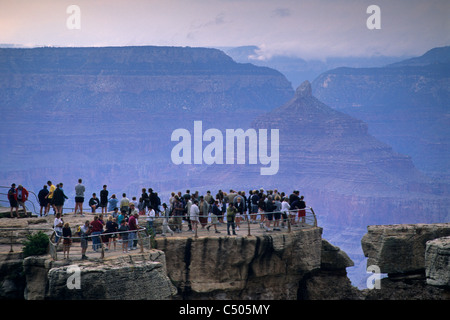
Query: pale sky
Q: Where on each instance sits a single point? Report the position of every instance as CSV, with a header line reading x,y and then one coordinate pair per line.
x,y
308,29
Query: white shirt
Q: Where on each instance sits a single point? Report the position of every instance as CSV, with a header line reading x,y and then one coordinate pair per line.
x,y
195,211
150,215
285,206
56,222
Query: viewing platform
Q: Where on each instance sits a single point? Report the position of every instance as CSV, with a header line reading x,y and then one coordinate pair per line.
x,y
14,231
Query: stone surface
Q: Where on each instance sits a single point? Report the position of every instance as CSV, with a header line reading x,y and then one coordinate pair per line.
x,y
255,267
333,258
400,249
437,262
132,277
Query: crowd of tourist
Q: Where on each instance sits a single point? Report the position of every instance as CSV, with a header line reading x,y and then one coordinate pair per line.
x,y
119,219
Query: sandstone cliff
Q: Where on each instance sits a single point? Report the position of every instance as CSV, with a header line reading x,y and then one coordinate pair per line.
x,y
276,266
415,257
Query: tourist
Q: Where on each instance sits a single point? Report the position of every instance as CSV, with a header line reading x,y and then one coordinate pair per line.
x,y
58,224
150,216
302,210
67,239
154,201
94,202
85,231
50,196
104,199
79,197
269,209
203,206
43,201
111,229
120,217
215,213
21,197
123,233
97,229
187,211
277,212
239,205
124,203
13,200
254,206
194,212
132,227
59,198
178,210
285,207
115,213
231,214
112,203
262,209
145,200
165,224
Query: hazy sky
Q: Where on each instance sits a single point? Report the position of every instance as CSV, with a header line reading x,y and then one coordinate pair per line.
x,y
307,29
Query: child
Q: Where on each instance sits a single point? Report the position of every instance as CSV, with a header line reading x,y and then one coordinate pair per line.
x,y
124,235
67,235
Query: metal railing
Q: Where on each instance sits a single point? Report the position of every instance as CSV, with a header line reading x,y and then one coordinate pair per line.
x,y
145,236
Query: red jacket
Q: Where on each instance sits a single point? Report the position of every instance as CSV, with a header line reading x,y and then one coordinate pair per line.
x,y
24,194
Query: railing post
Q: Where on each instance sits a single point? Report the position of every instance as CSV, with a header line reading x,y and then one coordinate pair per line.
x,y
102,256
248,225
11,240
315,218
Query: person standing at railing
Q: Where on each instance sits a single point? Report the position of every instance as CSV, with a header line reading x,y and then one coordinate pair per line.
x,y
43,201
215,213
285,207
231,215
254,199
85,231
194,212
111,229
150,216
302,211
79,197
165,224
277,213
239,205
97,229
178,211
13,200
132,226
123,233
269,209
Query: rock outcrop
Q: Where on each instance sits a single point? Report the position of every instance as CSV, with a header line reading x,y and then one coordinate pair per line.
x,y
437,262
255,267
400,249
132,277
415,257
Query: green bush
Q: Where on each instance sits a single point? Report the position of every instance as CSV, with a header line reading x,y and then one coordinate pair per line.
x,y
36,244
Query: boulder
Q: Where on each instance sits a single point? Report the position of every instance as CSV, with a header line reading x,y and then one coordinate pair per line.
x,y
400,249
437,262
